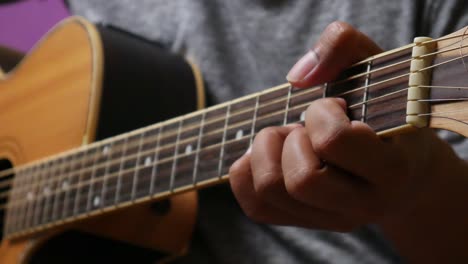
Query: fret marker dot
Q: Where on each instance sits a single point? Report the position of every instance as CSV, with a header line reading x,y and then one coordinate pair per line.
x,y
30,196
239,134
65,185
302,116
105,150
96,201
147,161
188,149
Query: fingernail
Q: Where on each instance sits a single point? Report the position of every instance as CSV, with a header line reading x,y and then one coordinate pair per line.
x,y
248,150
303,67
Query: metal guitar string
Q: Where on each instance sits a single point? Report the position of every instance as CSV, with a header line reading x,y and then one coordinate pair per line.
x,y
307,103
312,89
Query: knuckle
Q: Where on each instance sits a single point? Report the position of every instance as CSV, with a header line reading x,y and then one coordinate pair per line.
x,y
323,145
341,30
300,179
267,182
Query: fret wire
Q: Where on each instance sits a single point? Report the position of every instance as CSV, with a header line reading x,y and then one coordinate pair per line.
x,y
25,183
21,184
97,153
30,204
311,90
366,93
245,138
119,177
135,174
57,166
304,105
285,120
230,142
106,172
27,193
355,64
252,130
11,220
154,170
57,186
296,107
197,157
77,194
54,168
174,162
12,215
325,90
223,140
73,162
52,179
37,202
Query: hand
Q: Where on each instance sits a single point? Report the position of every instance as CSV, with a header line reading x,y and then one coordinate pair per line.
x,y
336,174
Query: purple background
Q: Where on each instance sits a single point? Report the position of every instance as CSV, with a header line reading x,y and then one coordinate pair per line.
x,y
24,22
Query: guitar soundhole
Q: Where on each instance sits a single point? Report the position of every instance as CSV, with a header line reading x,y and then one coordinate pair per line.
x,y
5,186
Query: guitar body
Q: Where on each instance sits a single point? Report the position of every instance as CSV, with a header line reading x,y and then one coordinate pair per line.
x,y
81,84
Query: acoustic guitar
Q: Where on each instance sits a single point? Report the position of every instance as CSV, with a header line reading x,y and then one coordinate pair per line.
x,y
72,160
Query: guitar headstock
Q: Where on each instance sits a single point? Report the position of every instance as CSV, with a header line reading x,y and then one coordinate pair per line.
x,y
449,87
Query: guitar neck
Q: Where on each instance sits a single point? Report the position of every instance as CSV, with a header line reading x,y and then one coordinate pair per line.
x,y
195,150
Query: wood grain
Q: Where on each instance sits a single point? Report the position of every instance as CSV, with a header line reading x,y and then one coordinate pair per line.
x,y
452,72
50,104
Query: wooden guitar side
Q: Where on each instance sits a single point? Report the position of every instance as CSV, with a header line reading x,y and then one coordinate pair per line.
x,y
50,104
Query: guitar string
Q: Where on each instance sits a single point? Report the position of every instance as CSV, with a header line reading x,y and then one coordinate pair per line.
x,y
176,157
412,45
53,180
79,201
442,38
458,58
147,140
440,50
213,120
111,189
47,223
389,56
246,137
170,159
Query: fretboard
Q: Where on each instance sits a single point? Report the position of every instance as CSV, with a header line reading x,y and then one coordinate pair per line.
x,y
191,151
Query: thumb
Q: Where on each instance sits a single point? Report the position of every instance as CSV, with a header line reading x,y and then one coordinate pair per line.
x,y
339,46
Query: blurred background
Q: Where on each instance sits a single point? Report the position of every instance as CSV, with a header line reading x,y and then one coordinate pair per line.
x,y
24,22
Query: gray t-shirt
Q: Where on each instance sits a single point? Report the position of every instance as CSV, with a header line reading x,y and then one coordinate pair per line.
x,y
244,46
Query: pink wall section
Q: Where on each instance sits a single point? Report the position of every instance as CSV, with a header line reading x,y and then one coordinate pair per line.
x,y
22,23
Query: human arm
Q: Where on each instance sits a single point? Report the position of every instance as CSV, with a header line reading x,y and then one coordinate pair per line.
x,y
337,174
